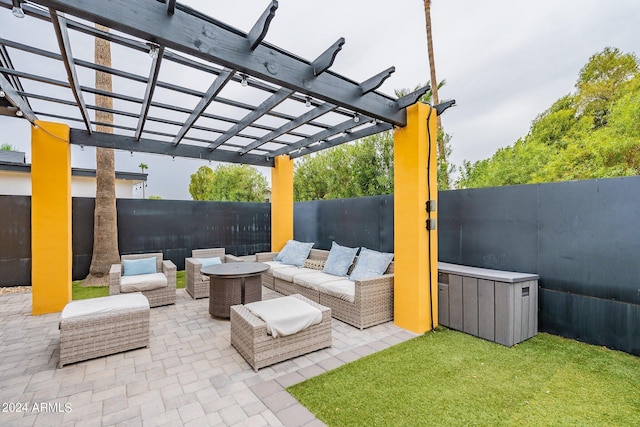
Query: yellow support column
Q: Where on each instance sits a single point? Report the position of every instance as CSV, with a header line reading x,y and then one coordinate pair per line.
x,y
415,248
51,254
281,202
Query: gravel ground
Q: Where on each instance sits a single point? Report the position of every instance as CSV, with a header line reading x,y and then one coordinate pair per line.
x,y
14,290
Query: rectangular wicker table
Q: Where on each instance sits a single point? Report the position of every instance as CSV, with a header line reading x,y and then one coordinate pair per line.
x,y
101,326
249,336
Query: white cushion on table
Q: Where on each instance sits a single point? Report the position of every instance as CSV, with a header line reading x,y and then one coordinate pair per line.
x,y
285,316
143,282
343,289
289,273
104,305
314,280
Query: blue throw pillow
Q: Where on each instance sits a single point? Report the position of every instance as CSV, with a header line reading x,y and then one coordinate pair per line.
x,y
207,262
370,264
339,260
294,253
133,267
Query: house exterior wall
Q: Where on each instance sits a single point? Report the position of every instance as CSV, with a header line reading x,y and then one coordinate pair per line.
x,y
19,184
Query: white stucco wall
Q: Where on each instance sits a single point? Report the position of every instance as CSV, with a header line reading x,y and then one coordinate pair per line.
x,y
19,184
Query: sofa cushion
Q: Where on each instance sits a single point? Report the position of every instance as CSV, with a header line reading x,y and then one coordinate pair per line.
x,y
143,282
208,262
370,264
133,267
339,260
294,253
288,273
343,289
274,265
314,280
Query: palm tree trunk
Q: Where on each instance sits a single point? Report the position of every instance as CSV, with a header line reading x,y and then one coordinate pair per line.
x,y
432,62
442,154
105,226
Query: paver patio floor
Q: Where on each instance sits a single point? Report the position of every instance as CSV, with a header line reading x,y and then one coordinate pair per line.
x,y
190,374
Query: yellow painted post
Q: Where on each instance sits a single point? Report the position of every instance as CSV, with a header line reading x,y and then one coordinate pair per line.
x,y
51,254
415,248
281,202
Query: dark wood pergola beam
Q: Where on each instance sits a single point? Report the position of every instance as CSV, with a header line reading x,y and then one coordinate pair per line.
x,y
129,143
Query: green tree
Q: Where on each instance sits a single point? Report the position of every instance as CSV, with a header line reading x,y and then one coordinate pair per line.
x,y
201,185
364,168
602,80
234,183
7,147
592,133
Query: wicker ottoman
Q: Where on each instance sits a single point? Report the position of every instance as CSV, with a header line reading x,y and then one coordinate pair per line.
x,y
101,326
249,336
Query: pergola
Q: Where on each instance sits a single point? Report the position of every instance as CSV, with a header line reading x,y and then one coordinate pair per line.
x,y
260,105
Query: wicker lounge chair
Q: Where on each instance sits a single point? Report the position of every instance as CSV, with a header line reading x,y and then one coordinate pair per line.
x,y
157,297
197,284
249,336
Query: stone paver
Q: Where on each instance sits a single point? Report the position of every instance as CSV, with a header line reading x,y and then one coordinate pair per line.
x,y
189,375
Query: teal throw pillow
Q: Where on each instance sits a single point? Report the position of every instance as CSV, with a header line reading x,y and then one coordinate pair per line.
x,y
133,267
339,260
370,264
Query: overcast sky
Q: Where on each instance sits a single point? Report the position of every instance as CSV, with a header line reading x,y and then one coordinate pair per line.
x,y
504,61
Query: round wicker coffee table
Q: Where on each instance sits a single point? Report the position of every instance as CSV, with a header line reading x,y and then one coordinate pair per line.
x,y
233,283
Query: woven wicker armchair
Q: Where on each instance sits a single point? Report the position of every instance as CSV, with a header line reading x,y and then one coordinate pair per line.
x,y
197,284
156,297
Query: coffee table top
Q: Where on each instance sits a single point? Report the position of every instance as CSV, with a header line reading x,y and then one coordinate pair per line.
x,y
235,269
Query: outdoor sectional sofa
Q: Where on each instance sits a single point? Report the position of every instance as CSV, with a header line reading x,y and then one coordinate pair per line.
x,y
361,303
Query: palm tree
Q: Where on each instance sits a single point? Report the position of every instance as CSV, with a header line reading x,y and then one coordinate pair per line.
x,y
142,167
434,80
105,226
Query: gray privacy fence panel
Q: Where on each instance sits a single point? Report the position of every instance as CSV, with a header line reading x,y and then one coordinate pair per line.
x,y
363,221
175,227
15,240
581,237
169,226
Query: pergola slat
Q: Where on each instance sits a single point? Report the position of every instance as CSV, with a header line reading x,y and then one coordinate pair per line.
x,y
327,133
67,58
259,30
262,109
215,88
16,100
325,60
151,86
287,127
352,136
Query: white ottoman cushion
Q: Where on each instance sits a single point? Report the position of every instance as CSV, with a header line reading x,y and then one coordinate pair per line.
x,y
104,305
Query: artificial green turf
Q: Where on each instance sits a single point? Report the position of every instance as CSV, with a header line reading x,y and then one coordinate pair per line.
x,y
80,292
447,378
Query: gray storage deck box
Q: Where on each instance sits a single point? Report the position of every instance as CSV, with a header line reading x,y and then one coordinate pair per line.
x,y
499,306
